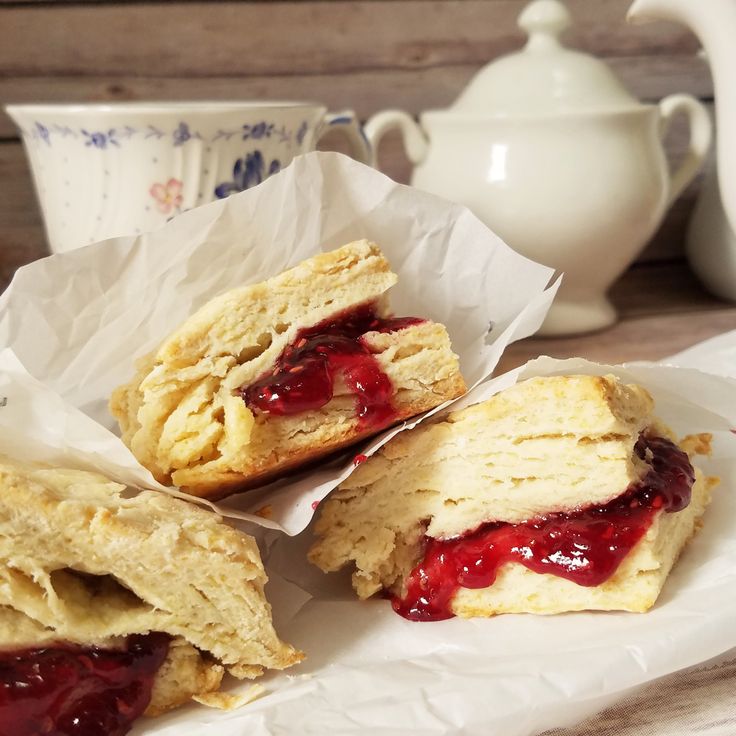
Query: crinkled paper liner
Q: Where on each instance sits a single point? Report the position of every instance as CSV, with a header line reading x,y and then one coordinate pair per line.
x,y
72,325
76,321
370,671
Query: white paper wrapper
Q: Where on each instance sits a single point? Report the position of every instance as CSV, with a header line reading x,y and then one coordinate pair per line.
x,y
716,355
76,321
370,671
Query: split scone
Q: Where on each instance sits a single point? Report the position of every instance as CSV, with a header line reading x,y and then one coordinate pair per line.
x,y
111,606
559,494
270,376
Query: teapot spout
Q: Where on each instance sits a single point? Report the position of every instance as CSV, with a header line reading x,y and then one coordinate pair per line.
x,y
714,23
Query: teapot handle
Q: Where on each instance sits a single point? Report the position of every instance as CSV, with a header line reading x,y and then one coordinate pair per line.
x,y
701,130
415,140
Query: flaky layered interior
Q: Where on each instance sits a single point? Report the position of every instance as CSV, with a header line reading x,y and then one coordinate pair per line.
x,y
547,445
84,564
182,414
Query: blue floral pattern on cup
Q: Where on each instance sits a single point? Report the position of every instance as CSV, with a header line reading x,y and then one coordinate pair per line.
x,y
301,132
179,136
248,172
259,130
99,139
43,132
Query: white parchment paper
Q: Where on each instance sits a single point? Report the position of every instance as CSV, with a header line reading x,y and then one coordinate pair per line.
x,y
716,355
76,321
370,671
73,323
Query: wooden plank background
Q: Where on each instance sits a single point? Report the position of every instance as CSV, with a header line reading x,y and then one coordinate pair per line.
x,y
364,54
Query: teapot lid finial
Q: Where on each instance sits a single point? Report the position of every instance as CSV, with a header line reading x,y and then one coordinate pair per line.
x,y
544,21
545,77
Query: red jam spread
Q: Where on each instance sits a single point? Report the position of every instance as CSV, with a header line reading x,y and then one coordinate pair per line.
x,y
303,378
75,691
585,546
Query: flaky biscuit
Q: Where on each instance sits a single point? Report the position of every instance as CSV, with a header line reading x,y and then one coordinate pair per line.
x,y
86,564
182,416
546,445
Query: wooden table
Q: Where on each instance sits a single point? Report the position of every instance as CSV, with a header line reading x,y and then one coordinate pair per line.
x,y
700,700
663,310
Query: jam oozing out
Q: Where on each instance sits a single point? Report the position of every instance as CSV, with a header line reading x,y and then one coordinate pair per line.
x,y
585,546
304,376
75,691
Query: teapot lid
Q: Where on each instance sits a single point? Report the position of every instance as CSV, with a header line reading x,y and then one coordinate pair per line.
x,y
544,77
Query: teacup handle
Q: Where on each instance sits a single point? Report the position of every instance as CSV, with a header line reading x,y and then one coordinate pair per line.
x,y
701,131
415,140
348,124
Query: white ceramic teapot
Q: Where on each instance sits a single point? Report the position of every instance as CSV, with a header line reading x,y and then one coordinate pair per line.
x,y
551,152
711,241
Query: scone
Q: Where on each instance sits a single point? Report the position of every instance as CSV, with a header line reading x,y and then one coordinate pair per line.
x,y
267,377
113,605
558,494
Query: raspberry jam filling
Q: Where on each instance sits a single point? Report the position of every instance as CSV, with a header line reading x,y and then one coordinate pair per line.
x,y
303,378
76,691
584,546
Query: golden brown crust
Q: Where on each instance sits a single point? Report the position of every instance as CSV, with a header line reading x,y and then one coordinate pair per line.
x,y
214,485
182,415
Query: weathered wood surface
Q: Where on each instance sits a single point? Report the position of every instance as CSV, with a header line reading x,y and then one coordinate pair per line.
x,y
648,77
699,700
642,338
663,310
267,38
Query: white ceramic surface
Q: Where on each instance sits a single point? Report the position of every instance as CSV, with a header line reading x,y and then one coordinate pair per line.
x,y
714,22
711,242
102,171
556,157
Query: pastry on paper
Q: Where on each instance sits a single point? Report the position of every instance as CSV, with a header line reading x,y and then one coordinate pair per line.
x,y
561,493
268,377
113,604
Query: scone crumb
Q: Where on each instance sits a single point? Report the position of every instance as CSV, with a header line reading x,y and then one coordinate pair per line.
x,y
697,444
712,481
230,701
265,512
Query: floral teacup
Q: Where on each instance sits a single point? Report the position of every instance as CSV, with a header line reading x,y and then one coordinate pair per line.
x,y
104,170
